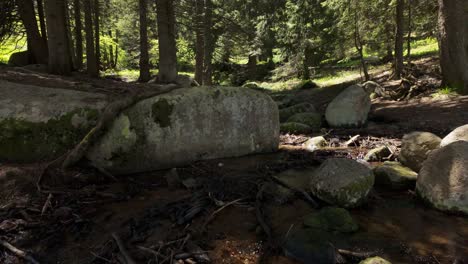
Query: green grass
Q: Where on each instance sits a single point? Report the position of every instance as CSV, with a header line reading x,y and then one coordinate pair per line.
x,y
131,75
10,46
423,47
444,91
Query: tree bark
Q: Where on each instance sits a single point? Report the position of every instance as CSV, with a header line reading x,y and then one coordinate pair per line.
x,y
40,13
78,35
199,41
359,46
400,7
111,52
144,56
39,49
97,32
167,41
209,45
453,37
91,65
60,60
410,29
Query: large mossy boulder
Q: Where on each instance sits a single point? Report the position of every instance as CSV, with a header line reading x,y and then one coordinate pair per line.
x,y
393,175
415,148
187,125
342,182
443,179
313,120
288,112
459,134
349,109
38,123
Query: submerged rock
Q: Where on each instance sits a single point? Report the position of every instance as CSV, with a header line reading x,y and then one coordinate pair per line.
x,y
313,120
295,128
458,134
39,123
443,179
378,154
342,182
394,175
375,260
287,112
349,109
332,219
415,148
186,125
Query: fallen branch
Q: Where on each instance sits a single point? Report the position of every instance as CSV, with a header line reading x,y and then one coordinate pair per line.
x,y
351,140
18,252
109,114
358,255
123,250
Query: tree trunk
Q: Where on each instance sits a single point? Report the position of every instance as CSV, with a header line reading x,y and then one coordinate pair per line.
x,y
144,57
40,13
116,59
209,45
359,46
453,37
78,35
400,7
97,32
91,65
410,28
39,49
199,42
111,52
167,41
60,61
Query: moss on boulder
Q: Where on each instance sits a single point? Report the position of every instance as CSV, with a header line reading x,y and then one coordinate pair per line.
x,y
287,112
333,219
295,128
313,120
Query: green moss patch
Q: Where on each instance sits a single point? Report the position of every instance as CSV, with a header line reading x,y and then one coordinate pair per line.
x,y
25,141
161,111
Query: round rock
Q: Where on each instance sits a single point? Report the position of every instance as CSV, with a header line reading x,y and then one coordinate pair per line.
x,y
459,134
375,260
443,179
394,175
342,182
415,148
350,108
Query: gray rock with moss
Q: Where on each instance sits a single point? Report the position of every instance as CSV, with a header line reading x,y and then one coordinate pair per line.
x,y
342,182
415,147
287,112
458,134
395,176
314,120
349,109
39,123
375,260
377,154
187,125
443,179
312,144
332,219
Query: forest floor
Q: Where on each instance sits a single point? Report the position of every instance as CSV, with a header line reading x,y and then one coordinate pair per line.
x,y
213,210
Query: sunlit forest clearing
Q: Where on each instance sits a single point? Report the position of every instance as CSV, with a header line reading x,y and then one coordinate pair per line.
x,y
234,131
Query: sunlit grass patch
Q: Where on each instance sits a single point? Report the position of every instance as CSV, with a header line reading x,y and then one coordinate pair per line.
x,y
10,46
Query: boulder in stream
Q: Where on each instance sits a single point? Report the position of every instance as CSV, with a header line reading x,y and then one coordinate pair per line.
x,y
349,109
443,179
415,147
395,176
342,182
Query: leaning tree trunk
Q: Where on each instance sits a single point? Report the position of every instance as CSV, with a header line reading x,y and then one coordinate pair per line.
x,y
209,44
40,13
91,65
60,60
453,37
78,35
144,56
28,17
199,41
167,41
400,7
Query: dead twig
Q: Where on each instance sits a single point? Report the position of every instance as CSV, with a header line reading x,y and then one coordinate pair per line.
x,y
47,204
351,140
18,252
123,250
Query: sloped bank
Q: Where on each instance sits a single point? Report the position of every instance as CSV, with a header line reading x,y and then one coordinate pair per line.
x,y
38,123
186,125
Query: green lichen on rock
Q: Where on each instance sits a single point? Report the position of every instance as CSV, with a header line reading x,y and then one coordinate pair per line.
x,y
27,141
333,219
161,111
